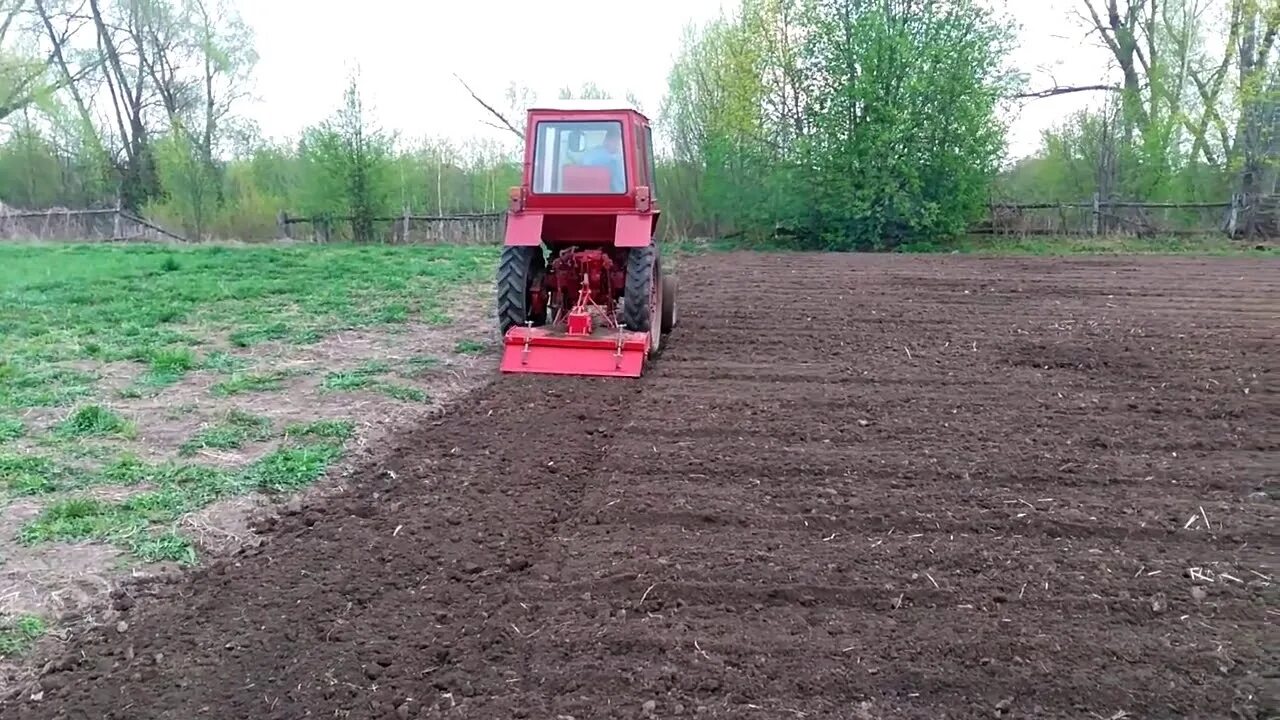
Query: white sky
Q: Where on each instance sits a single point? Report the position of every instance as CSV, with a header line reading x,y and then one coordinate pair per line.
x,y
408,51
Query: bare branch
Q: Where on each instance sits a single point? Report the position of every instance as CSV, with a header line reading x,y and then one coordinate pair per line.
x,y
506,123
1066,90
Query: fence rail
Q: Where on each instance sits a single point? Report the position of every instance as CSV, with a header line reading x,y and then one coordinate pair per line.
x,y
461,229
1238,217
61,224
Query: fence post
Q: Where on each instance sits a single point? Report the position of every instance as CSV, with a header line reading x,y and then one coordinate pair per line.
x,y
1097,213
405,237
1233,215
117,233
282,222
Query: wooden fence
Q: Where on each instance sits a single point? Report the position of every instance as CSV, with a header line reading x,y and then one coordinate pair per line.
x,y
462,229
1236,218
62,225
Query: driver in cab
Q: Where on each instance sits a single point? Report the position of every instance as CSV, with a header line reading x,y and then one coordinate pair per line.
x,y
609,154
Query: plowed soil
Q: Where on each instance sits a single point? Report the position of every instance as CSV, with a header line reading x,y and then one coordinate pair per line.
x,y
853,487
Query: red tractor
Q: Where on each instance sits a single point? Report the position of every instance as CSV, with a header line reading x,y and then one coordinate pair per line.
x,y
581,288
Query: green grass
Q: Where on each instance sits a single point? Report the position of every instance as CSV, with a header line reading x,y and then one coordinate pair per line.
x,y
67,309
1012,245
469,347
94,421
368,377
18,634
418,366
355,379
1088,245
236,429
11,429
27,475
144,303
239,383
327,429
142,523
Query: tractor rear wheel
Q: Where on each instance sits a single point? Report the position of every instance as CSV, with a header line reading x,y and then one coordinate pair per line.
x,y
668,303
642,297
520,269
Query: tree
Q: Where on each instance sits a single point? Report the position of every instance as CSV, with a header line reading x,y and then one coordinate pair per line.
x,y
844,123
348,165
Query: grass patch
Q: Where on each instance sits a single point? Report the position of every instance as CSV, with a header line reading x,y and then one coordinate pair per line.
x,y
1046,245
240,383
401,392
366,377
168,365
11,429
236,429
142,523
248,337
94,421
327,429
419,366
18,634
355,379
225,363
27,475
1088,245
111,302
469,347
24,387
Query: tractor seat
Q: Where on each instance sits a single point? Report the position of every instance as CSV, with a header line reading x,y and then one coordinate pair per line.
x,y
585,179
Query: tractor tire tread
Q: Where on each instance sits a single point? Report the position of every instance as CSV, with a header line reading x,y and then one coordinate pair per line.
x,y
515,267
636,298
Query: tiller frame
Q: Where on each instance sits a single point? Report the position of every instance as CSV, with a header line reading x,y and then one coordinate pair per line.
x,y
572,343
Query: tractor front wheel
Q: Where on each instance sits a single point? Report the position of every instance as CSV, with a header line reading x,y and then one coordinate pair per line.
x,y
520,270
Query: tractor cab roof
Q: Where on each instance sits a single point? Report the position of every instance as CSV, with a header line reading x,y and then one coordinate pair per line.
x,y
570,106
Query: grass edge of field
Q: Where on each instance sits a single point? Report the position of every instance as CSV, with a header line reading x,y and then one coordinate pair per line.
x,y
1012,245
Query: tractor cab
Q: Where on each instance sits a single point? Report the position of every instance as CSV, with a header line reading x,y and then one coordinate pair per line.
x,y
588,176
580,286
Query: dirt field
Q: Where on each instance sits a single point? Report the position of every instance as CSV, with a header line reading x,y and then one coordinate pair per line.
x,y
854,487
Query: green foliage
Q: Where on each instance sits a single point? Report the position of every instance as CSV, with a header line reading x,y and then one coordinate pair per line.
x,y
138,521
189,184
349,168
878,125
61,304
94,421
815,123
11,429
17,634
235,429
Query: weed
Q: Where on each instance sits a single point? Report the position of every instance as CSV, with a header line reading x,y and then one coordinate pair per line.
x,y
17,634
236,429
469,347
44,387
224,363
174,490
11,429
401,392
33,475
355,379
240,383
328,429
420,365
94,421
251,336
169,364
